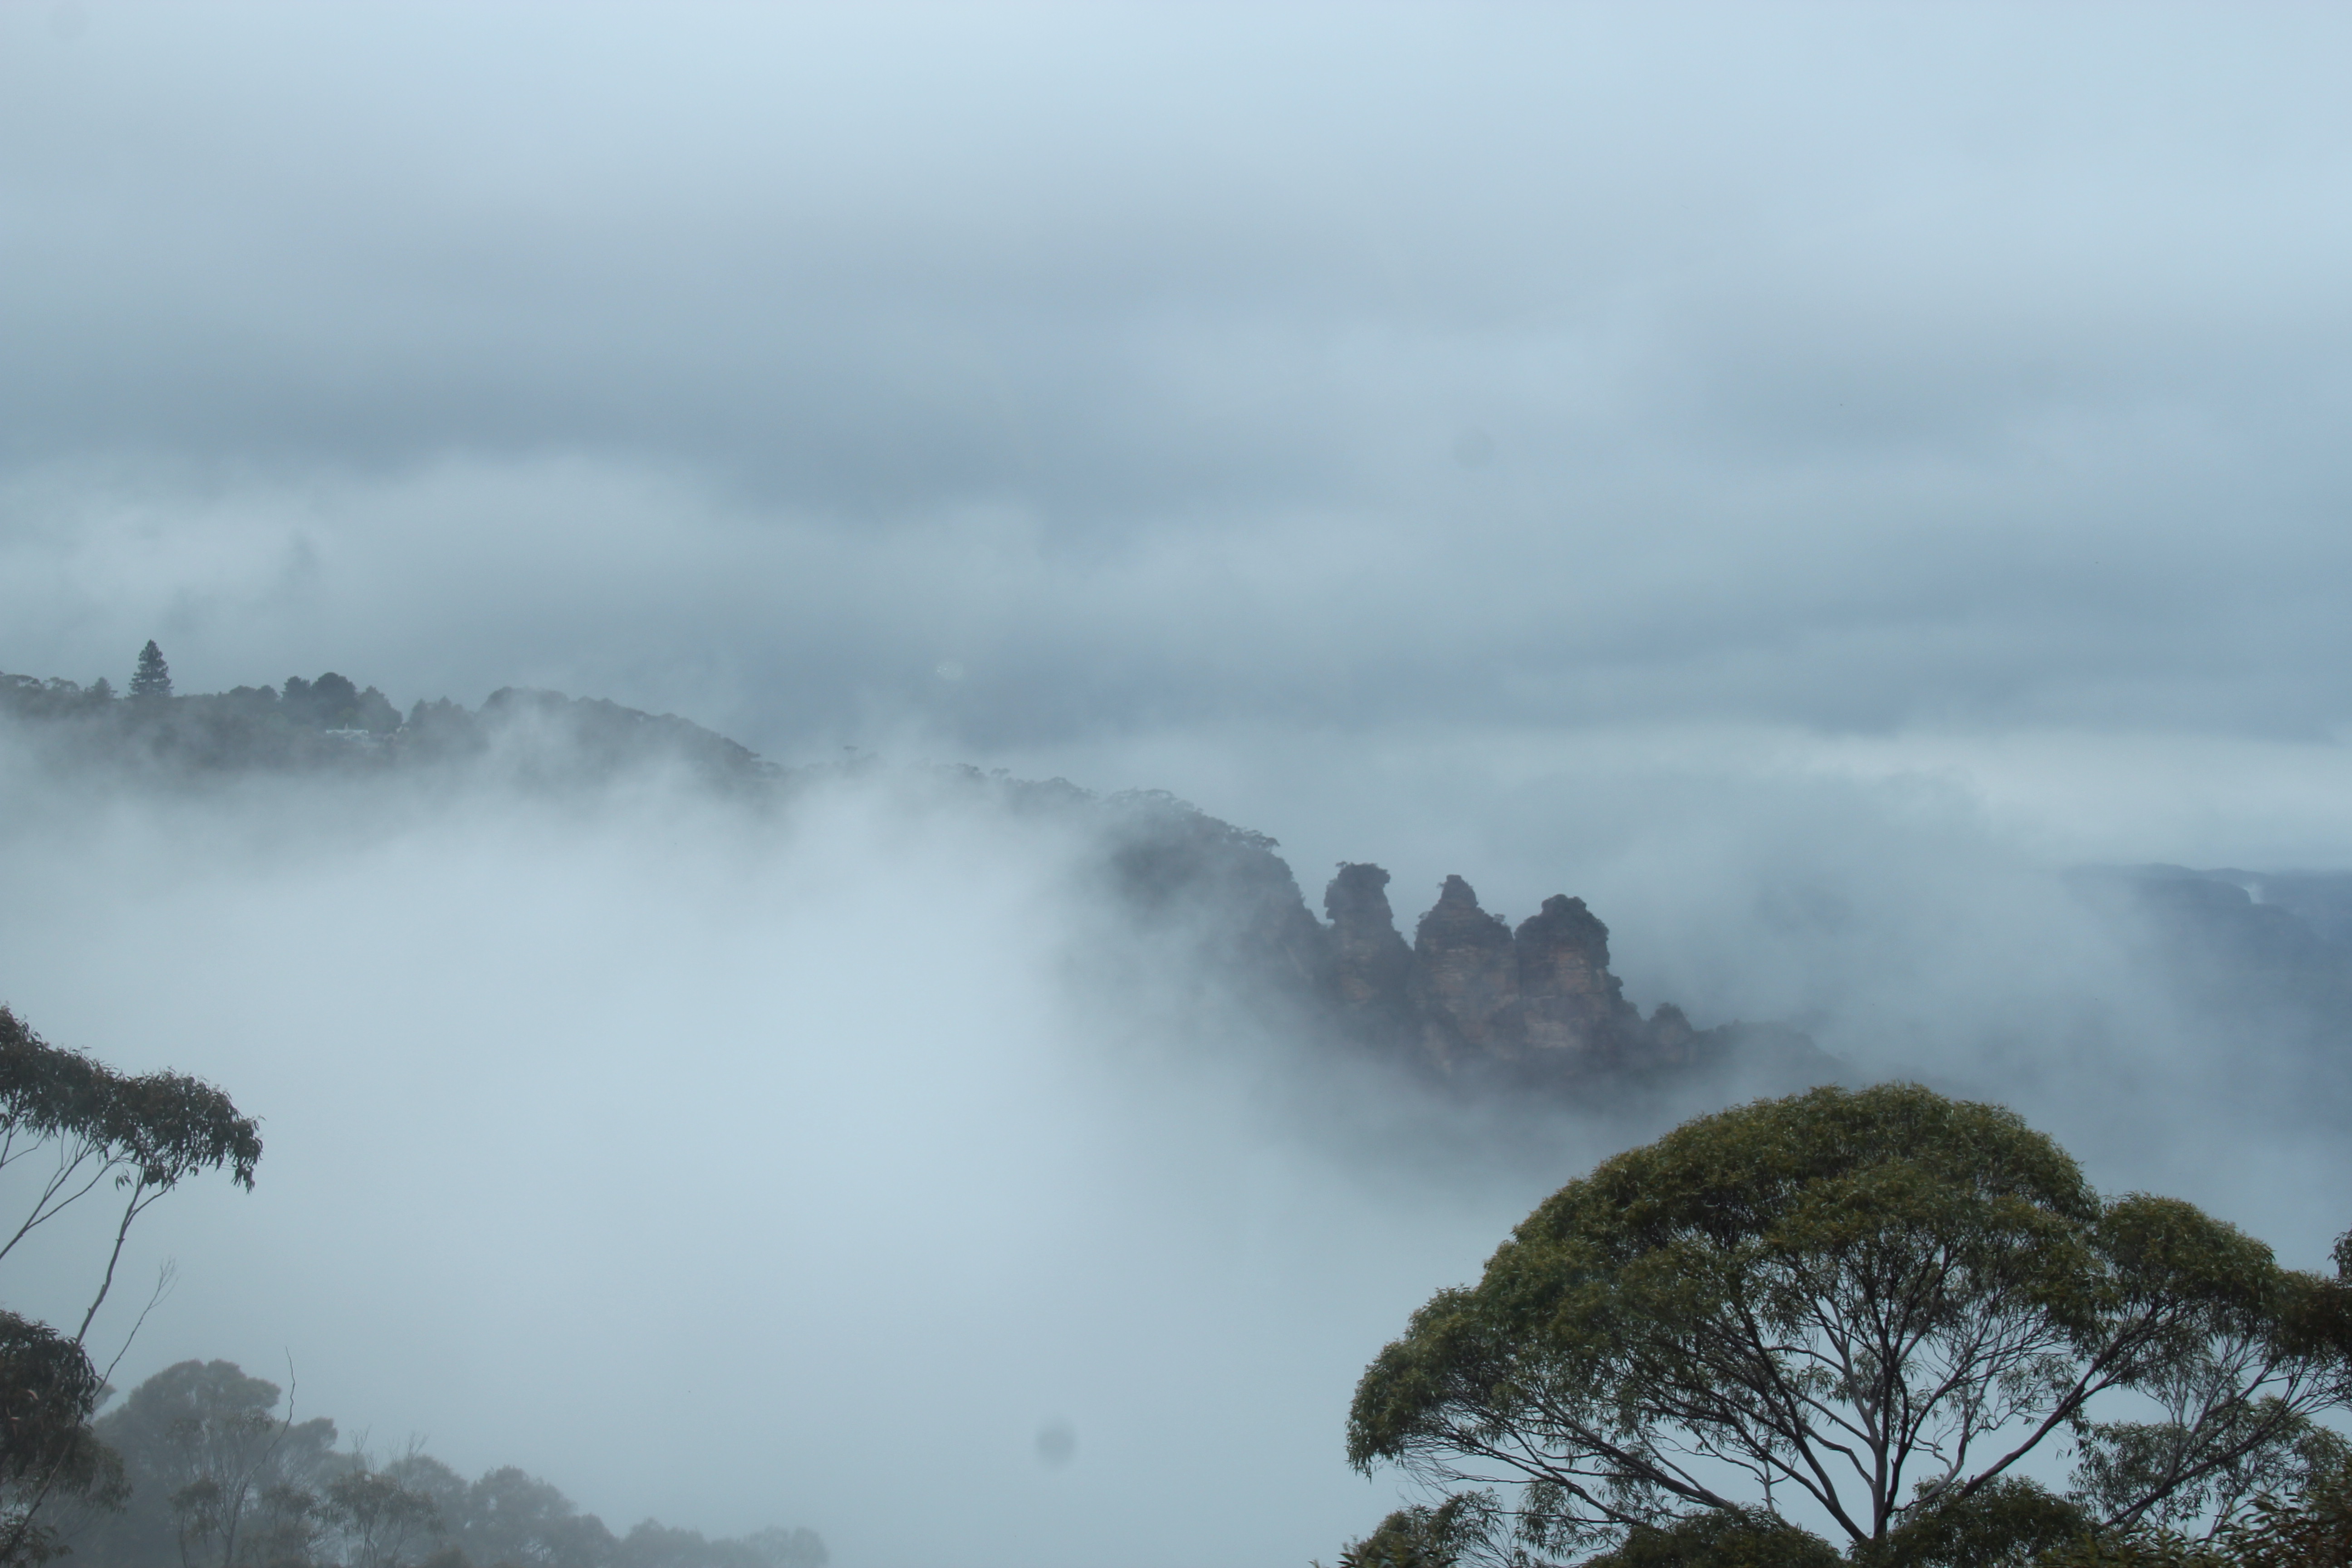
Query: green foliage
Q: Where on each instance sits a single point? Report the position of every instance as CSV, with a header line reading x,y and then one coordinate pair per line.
x,y
2313,1532
2135,1548
218,1475
222,1476
156,1129
1878,1301
509,1516
48,1390
333,702
1726,1538
2007,1523
382,1520
83,1125
29,696
1422,1537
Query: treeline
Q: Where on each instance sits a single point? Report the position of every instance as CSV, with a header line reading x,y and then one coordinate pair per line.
x,y
308,722
329,702
213,1474
1879,1310
330,722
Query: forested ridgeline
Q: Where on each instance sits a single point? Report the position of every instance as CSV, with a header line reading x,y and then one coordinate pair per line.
x,y
329,723
218,1472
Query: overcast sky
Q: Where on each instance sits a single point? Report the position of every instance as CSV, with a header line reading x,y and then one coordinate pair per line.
x,y
1036,379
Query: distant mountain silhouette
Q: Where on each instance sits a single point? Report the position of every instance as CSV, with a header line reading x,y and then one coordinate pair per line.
x,y
329,723
2256,956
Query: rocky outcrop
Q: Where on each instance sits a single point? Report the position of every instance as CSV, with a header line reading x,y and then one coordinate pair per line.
x,y
1470,994
1371,968
1470,1000
1567,999
1465,986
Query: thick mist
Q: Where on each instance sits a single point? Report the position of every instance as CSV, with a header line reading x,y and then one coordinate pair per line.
x,y
820,1162
1036,373
727,1168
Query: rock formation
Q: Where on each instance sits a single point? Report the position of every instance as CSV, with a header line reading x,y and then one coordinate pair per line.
x,y
1567,999
1470,994
1471,1001
1371,968
1466,983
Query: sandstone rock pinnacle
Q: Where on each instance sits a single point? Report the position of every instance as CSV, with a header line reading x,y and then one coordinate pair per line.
x,y
1371,966
1465,981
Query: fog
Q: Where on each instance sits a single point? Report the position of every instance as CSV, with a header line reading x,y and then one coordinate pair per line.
x,y
730,1171
1800,478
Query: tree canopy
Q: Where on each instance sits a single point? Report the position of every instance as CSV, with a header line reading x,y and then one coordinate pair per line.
x,y
152,680
1867,1309
220,1474
82,1125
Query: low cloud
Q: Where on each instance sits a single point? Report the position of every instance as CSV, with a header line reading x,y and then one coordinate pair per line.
x,y
764,363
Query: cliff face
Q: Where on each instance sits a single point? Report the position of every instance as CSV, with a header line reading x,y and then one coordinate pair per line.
x,y
1567,999
1371,969
1465,987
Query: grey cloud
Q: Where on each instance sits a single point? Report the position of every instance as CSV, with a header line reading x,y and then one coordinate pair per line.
x,y
1859,375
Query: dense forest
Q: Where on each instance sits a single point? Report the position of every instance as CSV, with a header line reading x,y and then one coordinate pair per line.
x,y
217,1471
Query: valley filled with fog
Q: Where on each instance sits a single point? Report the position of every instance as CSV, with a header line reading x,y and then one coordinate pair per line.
x,y
727,1170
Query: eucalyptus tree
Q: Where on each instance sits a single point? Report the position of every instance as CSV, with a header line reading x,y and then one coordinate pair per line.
x,y
72,1129
1868,1308
383,1522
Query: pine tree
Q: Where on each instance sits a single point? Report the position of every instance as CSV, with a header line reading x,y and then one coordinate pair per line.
x,y
153,678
